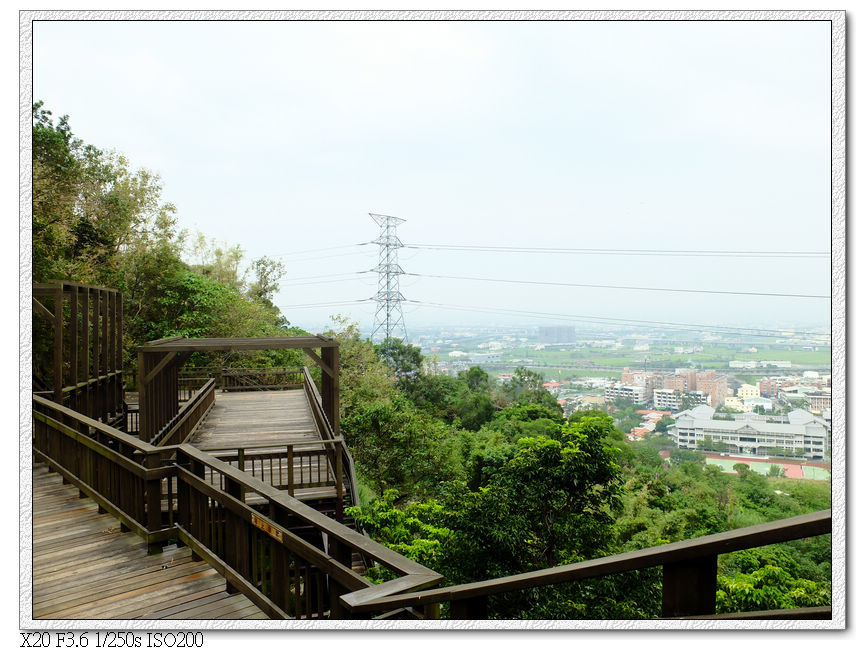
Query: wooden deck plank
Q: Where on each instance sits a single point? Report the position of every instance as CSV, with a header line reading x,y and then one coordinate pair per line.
x,y
84,567
247,419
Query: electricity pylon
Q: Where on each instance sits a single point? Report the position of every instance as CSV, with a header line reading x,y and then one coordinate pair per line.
x,y
388,314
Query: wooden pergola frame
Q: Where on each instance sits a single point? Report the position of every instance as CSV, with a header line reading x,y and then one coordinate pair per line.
x,y
159,362
87,347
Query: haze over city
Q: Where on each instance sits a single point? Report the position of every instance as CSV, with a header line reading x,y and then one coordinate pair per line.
x,y
281,137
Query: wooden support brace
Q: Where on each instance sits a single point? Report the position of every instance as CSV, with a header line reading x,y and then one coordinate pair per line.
x,y
325,368
42,310
167,359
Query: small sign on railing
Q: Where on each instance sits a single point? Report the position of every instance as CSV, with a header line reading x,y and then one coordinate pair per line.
x,y
261,524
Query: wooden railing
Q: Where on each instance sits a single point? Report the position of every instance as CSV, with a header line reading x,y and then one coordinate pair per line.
x,y
293,467
288,558
131,421
689,574
326,432
261,378
286,575
181,427
228,379
125,476
89,397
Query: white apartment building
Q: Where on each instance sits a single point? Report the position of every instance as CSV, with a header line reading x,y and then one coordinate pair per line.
x,y
668,399
636,394
803,433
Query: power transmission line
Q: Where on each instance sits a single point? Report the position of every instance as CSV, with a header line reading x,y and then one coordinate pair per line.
x,y
612,286
617,251
719,329
324,304
318,250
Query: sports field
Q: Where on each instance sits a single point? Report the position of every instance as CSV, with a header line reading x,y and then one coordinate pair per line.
x,y
791,470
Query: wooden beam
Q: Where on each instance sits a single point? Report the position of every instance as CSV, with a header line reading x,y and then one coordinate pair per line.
x,y
42,310
238,343
167,359
318,360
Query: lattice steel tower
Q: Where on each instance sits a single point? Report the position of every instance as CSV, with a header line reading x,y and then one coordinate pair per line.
x,y
388,314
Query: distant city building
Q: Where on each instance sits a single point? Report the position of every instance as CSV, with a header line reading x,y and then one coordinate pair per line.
x,y
776,364
768,387
819,401
735,404
715,386
802,435
635,394
748,390
743,364
590,402
668,399
557,334
751,403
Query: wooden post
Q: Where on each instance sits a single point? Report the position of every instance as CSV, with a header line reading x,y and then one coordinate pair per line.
x,y
341,554
153,490
85,347
290,459
58,344
330,386
689,587
236,537
340,486
73,347
472,609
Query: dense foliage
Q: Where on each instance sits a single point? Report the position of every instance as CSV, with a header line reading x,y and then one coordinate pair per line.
x,y
97,221
518,488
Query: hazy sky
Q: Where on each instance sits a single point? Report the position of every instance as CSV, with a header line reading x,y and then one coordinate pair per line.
x,y
282,137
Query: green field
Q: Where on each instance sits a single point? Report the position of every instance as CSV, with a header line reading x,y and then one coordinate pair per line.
x,y
659,355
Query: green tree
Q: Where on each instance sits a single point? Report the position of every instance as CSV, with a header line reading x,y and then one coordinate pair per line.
x,y
476,379
662,425
402,358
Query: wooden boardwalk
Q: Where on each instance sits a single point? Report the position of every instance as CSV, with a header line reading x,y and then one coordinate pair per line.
x,y
85,567
257,418
263,421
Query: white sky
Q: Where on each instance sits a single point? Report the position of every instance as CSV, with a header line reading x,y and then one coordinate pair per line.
x,y
282,136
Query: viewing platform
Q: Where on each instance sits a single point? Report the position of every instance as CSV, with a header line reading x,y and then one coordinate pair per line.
x,y
275,436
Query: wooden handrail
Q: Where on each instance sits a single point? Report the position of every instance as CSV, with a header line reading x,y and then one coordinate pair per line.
x,y
125,438
203,398
305,513
326,430
808,525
